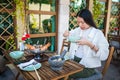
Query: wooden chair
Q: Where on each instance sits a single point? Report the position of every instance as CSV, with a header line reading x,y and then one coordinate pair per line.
x,y
114,40
65,44
11,76
111,51
99,74
5,72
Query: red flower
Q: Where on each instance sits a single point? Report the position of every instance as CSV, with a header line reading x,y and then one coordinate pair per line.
x,y
116,29
25,36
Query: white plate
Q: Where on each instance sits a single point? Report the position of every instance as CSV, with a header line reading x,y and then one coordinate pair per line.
x,y
28,66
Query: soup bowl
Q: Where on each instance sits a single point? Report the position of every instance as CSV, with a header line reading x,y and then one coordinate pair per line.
x,y
16,54
73,38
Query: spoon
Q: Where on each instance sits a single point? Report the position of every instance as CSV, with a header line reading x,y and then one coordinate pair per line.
x,y
37,42
39,78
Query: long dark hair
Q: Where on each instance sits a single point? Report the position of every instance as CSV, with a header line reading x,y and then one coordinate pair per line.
x,y
87,16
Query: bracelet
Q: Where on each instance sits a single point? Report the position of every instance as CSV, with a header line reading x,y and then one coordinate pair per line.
x,y
93,47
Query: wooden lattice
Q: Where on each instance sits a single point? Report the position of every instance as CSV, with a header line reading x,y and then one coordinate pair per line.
x,y
115,19
74,8
7,36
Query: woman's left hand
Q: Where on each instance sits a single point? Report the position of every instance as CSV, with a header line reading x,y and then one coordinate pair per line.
x,y
83,42
86,42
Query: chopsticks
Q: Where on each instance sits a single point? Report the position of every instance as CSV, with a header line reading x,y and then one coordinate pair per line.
x,y
34,63
39,78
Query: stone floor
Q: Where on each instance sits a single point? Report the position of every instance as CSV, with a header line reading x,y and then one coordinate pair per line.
x,y
113,72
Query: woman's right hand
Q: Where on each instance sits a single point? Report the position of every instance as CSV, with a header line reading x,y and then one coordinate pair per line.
x,y
66,33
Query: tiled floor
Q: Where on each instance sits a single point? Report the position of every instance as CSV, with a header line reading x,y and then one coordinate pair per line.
x,y
113,73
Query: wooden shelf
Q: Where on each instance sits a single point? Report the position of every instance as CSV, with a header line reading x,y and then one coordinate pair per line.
x,y
42,35
40,12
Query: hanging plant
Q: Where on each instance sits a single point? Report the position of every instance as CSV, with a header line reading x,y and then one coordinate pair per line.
x,y
10,43
97,11
19,6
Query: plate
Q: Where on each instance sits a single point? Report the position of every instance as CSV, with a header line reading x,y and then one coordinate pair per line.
x,y
31,67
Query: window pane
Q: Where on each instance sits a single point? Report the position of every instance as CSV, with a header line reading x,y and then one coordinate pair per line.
x,y
33,6
41,18
115,0
41,23
48,24
42,5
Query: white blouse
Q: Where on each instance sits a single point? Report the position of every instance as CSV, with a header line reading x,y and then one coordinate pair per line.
x,y
90,58
80,51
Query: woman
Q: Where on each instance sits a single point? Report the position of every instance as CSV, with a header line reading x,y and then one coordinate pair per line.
x,y
91,48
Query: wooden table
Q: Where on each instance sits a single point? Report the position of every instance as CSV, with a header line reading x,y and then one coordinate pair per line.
x,y
46,73
114,38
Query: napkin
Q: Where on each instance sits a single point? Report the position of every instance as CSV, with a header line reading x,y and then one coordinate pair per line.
x,y
21,65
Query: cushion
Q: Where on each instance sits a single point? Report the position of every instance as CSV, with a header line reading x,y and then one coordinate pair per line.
x,y
116,44
2,64
96,76
7,74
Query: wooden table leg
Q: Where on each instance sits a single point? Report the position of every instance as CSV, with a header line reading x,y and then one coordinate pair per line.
x,y
18,74
66,78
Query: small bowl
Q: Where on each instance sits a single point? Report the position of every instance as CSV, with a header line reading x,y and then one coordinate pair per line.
x,y
16,54
56,62
73,38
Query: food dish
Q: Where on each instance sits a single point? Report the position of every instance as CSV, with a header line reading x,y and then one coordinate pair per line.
x,y
16,54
